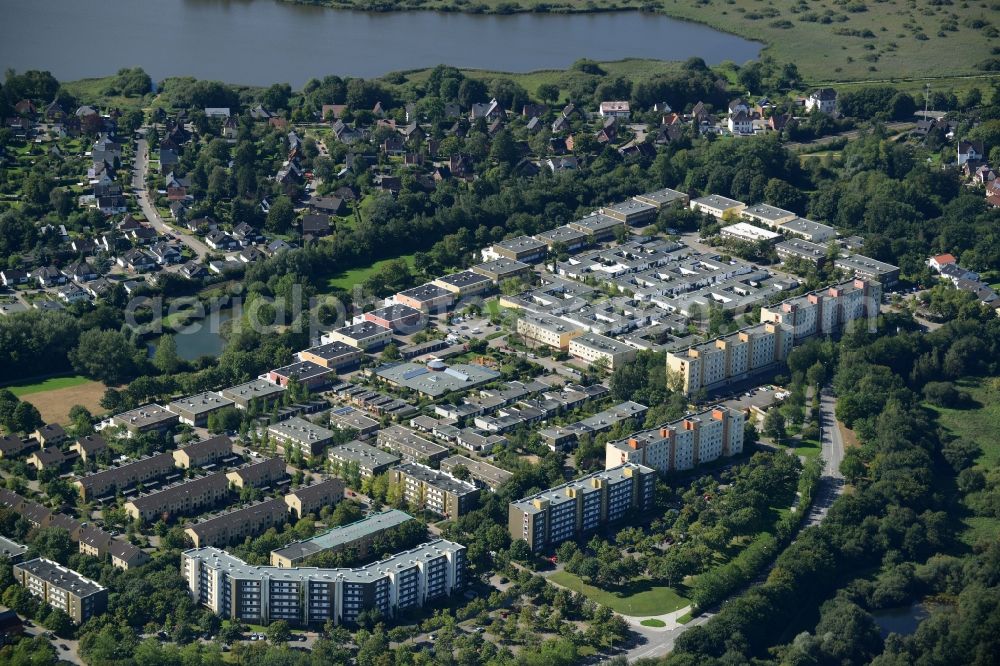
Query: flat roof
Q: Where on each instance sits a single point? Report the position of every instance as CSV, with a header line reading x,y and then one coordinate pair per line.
x,y
394,312
597,222
492,474
425,292
767,212
345,534
351,417
661,197
464,279
521,243
300,430
859,261
301,370
801,247
602,343
401,436
10,549
258,388
59,576
436,478
631,207
365,455
199,404
803,226
501,266
360,331
216,558
558,495
142,417
333,350
437,380
747,230
717,201
561,234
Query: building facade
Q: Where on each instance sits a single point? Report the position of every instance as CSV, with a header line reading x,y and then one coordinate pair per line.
x,y
309,596
62,588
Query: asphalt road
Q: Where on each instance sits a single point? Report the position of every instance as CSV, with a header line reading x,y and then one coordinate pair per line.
x,y
149,210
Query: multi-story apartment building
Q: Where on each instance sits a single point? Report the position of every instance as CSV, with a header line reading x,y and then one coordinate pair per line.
x,y
565,236
258,474
409,444
236,525
62,588
145,419
866,268
310,499
464,283
111,480
523,248
581,506
547,330
502,269
681,444
827,311
730,358
400,318
259,391
428,297
718,206
664,197
206,452
182,498
309,596
357,536
301,435
11,551
371,461
365,335
594,347
633,212
334,355
598,227
490,475
434,490
769,216
194,410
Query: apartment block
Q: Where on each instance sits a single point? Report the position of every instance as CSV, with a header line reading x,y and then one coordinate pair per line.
x,y
548,330
364,336
598,227
633,212
731,358
748,233
146,419
769,216
238,524
523,248
11,551
572,509
206,452
257,392
182,498
109,481
62,588
682,444
310,596
409,444
334,355
593,347
663,198
499,270
311,499
565,236
307,373
370,460
400,318
194,410
866,268
796,248
12,446
718,206
490,475
258,474
813,232
434,490
429,297
464,283
301,435
357,536
349,418
89,447
827,311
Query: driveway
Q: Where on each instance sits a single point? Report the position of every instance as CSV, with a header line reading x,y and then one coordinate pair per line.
x,y
149,209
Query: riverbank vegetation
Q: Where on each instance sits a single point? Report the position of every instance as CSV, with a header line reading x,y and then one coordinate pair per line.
x,y
861,40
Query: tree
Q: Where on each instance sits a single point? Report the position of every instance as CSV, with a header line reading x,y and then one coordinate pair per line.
x,y
278,632
107,356
774,424
460,472
281,215
548,92
165,358
224,420
53,543
26,418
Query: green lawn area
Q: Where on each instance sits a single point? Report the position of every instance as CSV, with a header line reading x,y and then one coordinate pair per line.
x,y
347,279
50,384
653,622
809,448
979,424
639,598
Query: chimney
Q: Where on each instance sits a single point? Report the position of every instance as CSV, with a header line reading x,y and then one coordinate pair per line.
x,y
633,443
813,298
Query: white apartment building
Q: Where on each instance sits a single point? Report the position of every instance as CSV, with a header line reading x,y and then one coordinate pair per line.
x,y
826,311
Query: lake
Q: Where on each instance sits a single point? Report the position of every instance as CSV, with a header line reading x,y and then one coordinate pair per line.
x,y
259,42
902,620
201,337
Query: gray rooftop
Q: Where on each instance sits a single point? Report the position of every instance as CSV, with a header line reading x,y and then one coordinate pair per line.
x,y
583,485
438,380
61,577
363,454
345,534
198,404
299,430
436,478
9,548
257,388
216,558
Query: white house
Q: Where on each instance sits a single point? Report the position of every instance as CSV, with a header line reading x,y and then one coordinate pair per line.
x,y
740,123
969,151
822,99
615,109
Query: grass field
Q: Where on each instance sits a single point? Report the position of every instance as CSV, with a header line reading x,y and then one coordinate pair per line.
x,y
50,384
980,425
56,395
347,279
637,599
809,448
653,622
